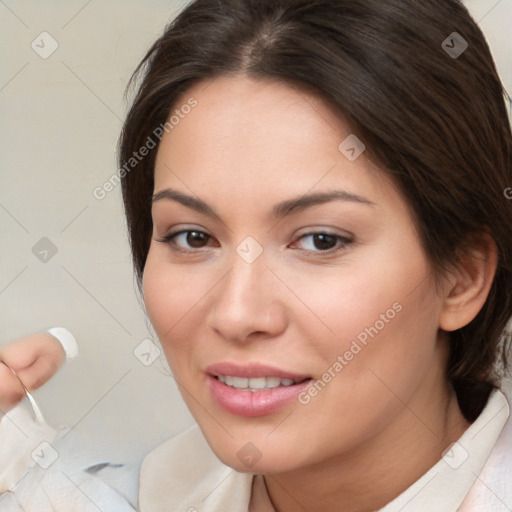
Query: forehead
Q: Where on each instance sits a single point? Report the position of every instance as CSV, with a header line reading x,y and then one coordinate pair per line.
x,y
259,136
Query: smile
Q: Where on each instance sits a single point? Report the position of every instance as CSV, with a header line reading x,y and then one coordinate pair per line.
x,y
253,389
256,383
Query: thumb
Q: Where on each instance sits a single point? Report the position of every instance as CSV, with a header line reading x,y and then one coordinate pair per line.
x,y
39,372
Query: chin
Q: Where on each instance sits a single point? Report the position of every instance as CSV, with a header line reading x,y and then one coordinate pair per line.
x,y
263,467
248,458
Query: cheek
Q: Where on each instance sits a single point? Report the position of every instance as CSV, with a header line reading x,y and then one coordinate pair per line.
x,y
380,344
380,311
391,341
172,298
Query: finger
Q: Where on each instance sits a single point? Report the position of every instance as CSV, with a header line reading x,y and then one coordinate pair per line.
x,y
11,390
23,352
39,372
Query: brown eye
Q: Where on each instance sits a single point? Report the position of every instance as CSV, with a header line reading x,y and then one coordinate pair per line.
x,y
186,239
323,242
196,238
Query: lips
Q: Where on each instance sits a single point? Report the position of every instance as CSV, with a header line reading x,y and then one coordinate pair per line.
x,y
253,370
253,390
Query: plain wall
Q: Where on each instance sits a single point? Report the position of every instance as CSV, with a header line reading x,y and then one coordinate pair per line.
x,y
60,119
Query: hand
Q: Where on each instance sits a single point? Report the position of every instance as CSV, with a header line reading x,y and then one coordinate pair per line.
x,y
35,359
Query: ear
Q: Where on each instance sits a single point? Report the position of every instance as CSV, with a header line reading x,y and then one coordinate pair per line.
x,y
468,284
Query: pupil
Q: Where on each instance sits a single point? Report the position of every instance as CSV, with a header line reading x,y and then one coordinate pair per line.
x,y
195,239
324,241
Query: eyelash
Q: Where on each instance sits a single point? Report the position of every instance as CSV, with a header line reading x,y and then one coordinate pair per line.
x,y
169,240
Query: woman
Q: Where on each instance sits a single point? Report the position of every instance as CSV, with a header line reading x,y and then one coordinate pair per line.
x,y
323,244
325,210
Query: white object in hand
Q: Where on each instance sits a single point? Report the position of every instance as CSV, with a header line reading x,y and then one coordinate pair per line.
x,y
67,340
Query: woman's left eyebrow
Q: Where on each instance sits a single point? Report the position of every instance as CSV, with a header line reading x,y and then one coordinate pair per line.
x,y
280,210
307,200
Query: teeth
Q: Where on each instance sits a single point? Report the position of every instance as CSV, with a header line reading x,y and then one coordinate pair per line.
x,y
273,382
240,382
255,383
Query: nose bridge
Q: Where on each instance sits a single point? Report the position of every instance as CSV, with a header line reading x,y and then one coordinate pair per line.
x,y
247,278
246,301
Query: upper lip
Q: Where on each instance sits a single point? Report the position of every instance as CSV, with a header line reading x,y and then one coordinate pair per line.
x,y
252,370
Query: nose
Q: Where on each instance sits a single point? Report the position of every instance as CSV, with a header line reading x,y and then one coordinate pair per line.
x,y
247,303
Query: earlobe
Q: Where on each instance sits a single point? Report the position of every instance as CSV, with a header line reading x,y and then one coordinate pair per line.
x,y
468,285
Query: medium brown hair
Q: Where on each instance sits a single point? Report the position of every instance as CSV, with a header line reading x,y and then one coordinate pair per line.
x,y
436,122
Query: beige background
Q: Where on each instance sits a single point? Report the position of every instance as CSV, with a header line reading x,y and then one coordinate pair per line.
x,y
60,119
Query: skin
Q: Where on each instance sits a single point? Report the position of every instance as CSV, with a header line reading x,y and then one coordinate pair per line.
x,y
35,359
386,418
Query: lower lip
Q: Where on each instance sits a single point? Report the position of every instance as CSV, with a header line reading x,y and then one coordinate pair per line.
x,y
253,403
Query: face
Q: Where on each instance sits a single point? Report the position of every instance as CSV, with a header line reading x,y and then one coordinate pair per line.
x,y
279,261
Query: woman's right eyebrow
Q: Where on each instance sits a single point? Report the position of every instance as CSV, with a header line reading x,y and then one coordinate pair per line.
x,y
191,202
279,211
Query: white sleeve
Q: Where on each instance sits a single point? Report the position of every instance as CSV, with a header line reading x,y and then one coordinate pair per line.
x,y
67,340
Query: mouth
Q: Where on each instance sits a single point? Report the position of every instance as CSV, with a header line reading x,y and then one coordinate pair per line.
x,y
258,383
253,390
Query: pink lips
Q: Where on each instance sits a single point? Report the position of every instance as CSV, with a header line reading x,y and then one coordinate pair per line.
x,y
253,403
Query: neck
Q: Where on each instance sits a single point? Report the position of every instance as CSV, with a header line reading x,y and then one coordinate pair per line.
x,y
370,476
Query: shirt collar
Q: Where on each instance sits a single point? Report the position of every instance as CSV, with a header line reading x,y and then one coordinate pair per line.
x,y
444,487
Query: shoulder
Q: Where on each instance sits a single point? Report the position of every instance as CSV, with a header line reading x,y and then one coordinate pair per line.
x,y
185,474
492,489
